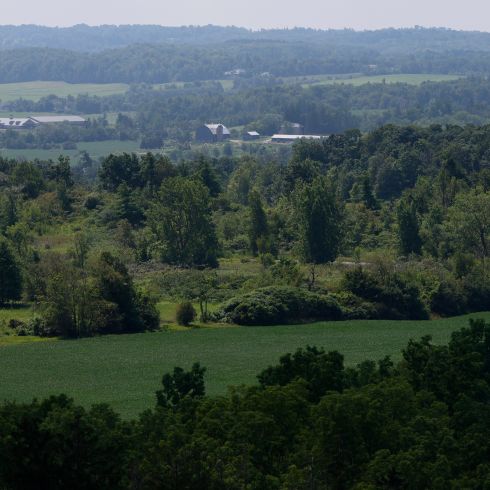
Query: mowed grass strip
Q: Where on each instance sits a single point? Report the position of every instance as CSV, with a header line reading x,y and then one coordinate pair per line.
x,y
125,370
37,90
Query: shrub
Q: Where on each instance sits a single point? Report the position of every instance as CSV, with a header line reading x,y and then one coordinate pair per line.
x,y
477,289
277,305
449,299
92,201
394,297
185,313
354,307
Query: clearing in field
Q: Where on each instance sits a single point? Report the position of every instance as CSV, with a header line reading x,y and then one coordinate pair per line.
x,y
37,90
125,370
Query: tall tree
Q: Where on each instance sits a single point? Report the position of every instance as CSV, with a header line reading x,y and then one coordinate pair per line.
x,y
318,220
258,227
469,222
181,219
10,275
408,227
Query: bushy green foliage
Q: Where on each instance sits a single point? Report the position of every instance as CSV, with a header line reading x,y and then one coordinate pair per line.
x,y
99,300
322,371
185,313
392,296
181,219
277,305
317,219
354,307
181,384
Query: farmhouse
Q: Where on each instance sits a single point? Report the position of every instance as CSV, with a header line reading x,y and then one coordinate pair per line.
x,y
212,133
17,123
60,118
289,138
251,135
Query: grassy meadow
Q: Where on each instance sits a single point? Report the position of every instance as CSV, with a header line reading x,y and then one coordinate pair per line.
x,y
357,80
37,90
95,149
125,370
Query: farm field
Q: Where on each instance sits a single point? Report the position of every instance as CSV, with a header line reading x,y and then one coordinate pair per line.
x,y
95,149
125,370
37,90
411,79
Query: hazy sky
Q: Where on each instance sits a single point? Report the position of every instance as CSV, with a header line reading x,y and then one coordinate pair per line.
x,y
358,14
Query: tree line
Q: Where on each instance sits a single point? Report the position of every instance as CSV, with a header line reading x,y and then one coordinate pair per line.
x,y
170,62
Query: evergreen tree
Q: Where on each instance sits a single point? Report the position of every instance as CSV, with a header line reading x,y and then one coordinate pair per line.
x,y
126,207
367,194
207,175
10,275
258,227
408,227
318,221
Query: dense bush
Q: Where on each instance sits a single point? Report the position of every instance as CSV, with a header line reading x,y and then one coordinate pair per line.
x,y
278,305
393,296
354,307
185,313
449,299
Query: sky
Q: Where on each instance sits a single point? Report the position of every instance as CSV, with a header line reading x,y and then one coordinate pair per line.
x,y
356,14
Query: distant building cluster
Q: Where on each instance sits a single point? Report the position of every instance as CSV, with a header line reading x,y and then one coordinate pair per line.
x,y
289,138
32,122
289,132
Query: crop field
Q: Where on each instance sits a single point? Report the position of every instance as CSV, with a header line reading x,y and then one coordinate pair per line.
x,y
356,80
37,90
95,149
125,370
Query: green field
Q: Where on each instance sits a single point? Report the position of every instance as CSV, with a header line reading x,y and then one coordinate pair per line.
x,y
411,79
95,149
37,90
126,370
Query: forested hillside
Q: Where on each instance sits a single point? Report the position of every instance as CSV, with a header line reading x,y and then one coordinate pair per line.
x,y
96,38
150,54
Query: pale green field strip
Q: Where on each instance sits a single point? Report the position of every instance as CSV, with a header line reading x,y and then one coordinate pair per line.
x,y
125,370
37,90
95,149
411,79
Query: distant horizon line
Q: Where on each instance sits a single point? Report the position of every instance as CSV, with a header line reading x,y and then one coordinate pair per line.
x,y
255,29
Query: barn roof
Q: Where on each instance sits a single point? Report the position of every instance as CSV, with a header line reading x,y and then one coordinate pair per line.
x,y
58,118
14,122
214,127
